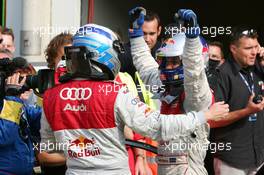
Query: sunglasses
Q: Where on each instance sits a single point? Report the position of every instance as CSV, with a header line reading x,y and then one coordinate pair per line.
x,y
248,33
239,33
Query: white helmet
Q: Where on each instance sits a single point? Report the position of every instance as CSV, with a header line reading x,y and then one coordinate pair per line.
x,y
101,47
169,57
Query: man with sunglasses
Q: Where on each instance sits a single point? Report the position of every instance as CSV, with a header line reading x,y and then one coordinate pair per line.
x,y
240,84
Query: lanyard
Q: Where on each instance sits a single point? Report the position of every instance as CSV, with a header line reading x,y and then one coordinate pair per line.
x,y
250,88
253,117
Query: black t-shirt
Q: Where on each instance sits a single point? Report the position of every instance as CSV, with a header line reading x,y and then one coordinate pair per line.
x,y
245,137
127,62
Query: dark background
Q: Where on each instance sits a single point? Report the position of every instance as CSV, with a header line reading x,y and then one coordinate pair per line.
x,y
213,13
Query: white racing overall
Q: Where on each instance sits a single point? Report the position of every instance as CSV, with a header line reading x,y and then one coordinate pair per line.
x,y
184,154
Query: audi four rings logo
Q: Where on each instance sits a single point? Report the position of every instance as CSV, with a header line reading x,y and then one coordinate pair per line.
x,y
75,93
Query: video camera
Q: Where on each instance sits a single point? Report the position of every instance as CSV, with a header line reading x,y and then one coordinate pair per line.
x,y
40,82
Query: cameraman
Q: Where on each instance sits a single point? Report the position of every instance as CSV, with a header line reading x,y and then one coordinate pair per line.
x,y
16,122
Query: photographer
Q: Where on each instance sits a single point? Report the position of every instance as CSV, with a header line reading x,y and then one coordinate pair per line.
x,y
240,85
55,163
16,121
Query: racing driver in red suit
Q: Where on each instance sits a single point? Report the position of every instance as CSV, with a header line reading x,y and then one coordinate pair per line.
x,y
85,115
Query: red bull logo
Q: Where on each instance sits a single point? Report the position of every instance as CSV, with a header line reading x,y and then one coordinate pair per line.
x,y
82,142
83,147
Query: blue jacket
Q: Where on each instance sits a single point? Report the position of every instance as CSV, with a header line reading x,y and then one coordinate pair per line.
x,y
17,121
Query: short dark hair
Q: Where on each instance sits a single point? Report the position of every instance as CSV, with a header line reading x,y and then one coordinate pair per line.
x,y
150,16
8,31
217,44
241,31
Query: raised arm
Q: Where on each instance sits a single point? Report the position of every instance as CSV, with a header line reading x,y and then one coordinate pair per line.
x,y
198,95
142,58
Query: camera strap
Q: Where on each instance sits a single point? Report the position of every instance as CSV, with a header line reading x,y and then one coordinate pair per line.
x,y
252,117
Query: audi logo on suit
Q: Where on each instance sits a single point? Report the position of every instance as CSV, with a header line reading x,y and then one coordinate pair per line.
x,y
75,93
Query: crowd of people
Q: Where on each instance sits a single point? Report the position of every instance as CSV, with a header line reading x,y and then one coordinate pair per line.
x,y
178,93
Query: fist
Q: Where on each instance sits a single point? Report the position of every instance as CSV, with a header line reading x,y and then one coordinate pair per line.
x,y
136,20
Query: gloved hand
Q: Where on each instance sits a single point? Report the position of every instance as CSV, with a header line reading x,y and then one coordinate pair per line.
x,y
136,20
190,22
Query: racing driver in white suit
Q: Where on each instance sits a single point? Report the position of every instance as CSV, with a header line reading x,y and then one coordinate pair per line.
x,y
180,70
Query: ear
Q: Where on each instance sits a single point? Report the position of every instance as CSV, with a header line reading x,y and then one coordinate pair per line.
x,y
159,30
233,48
